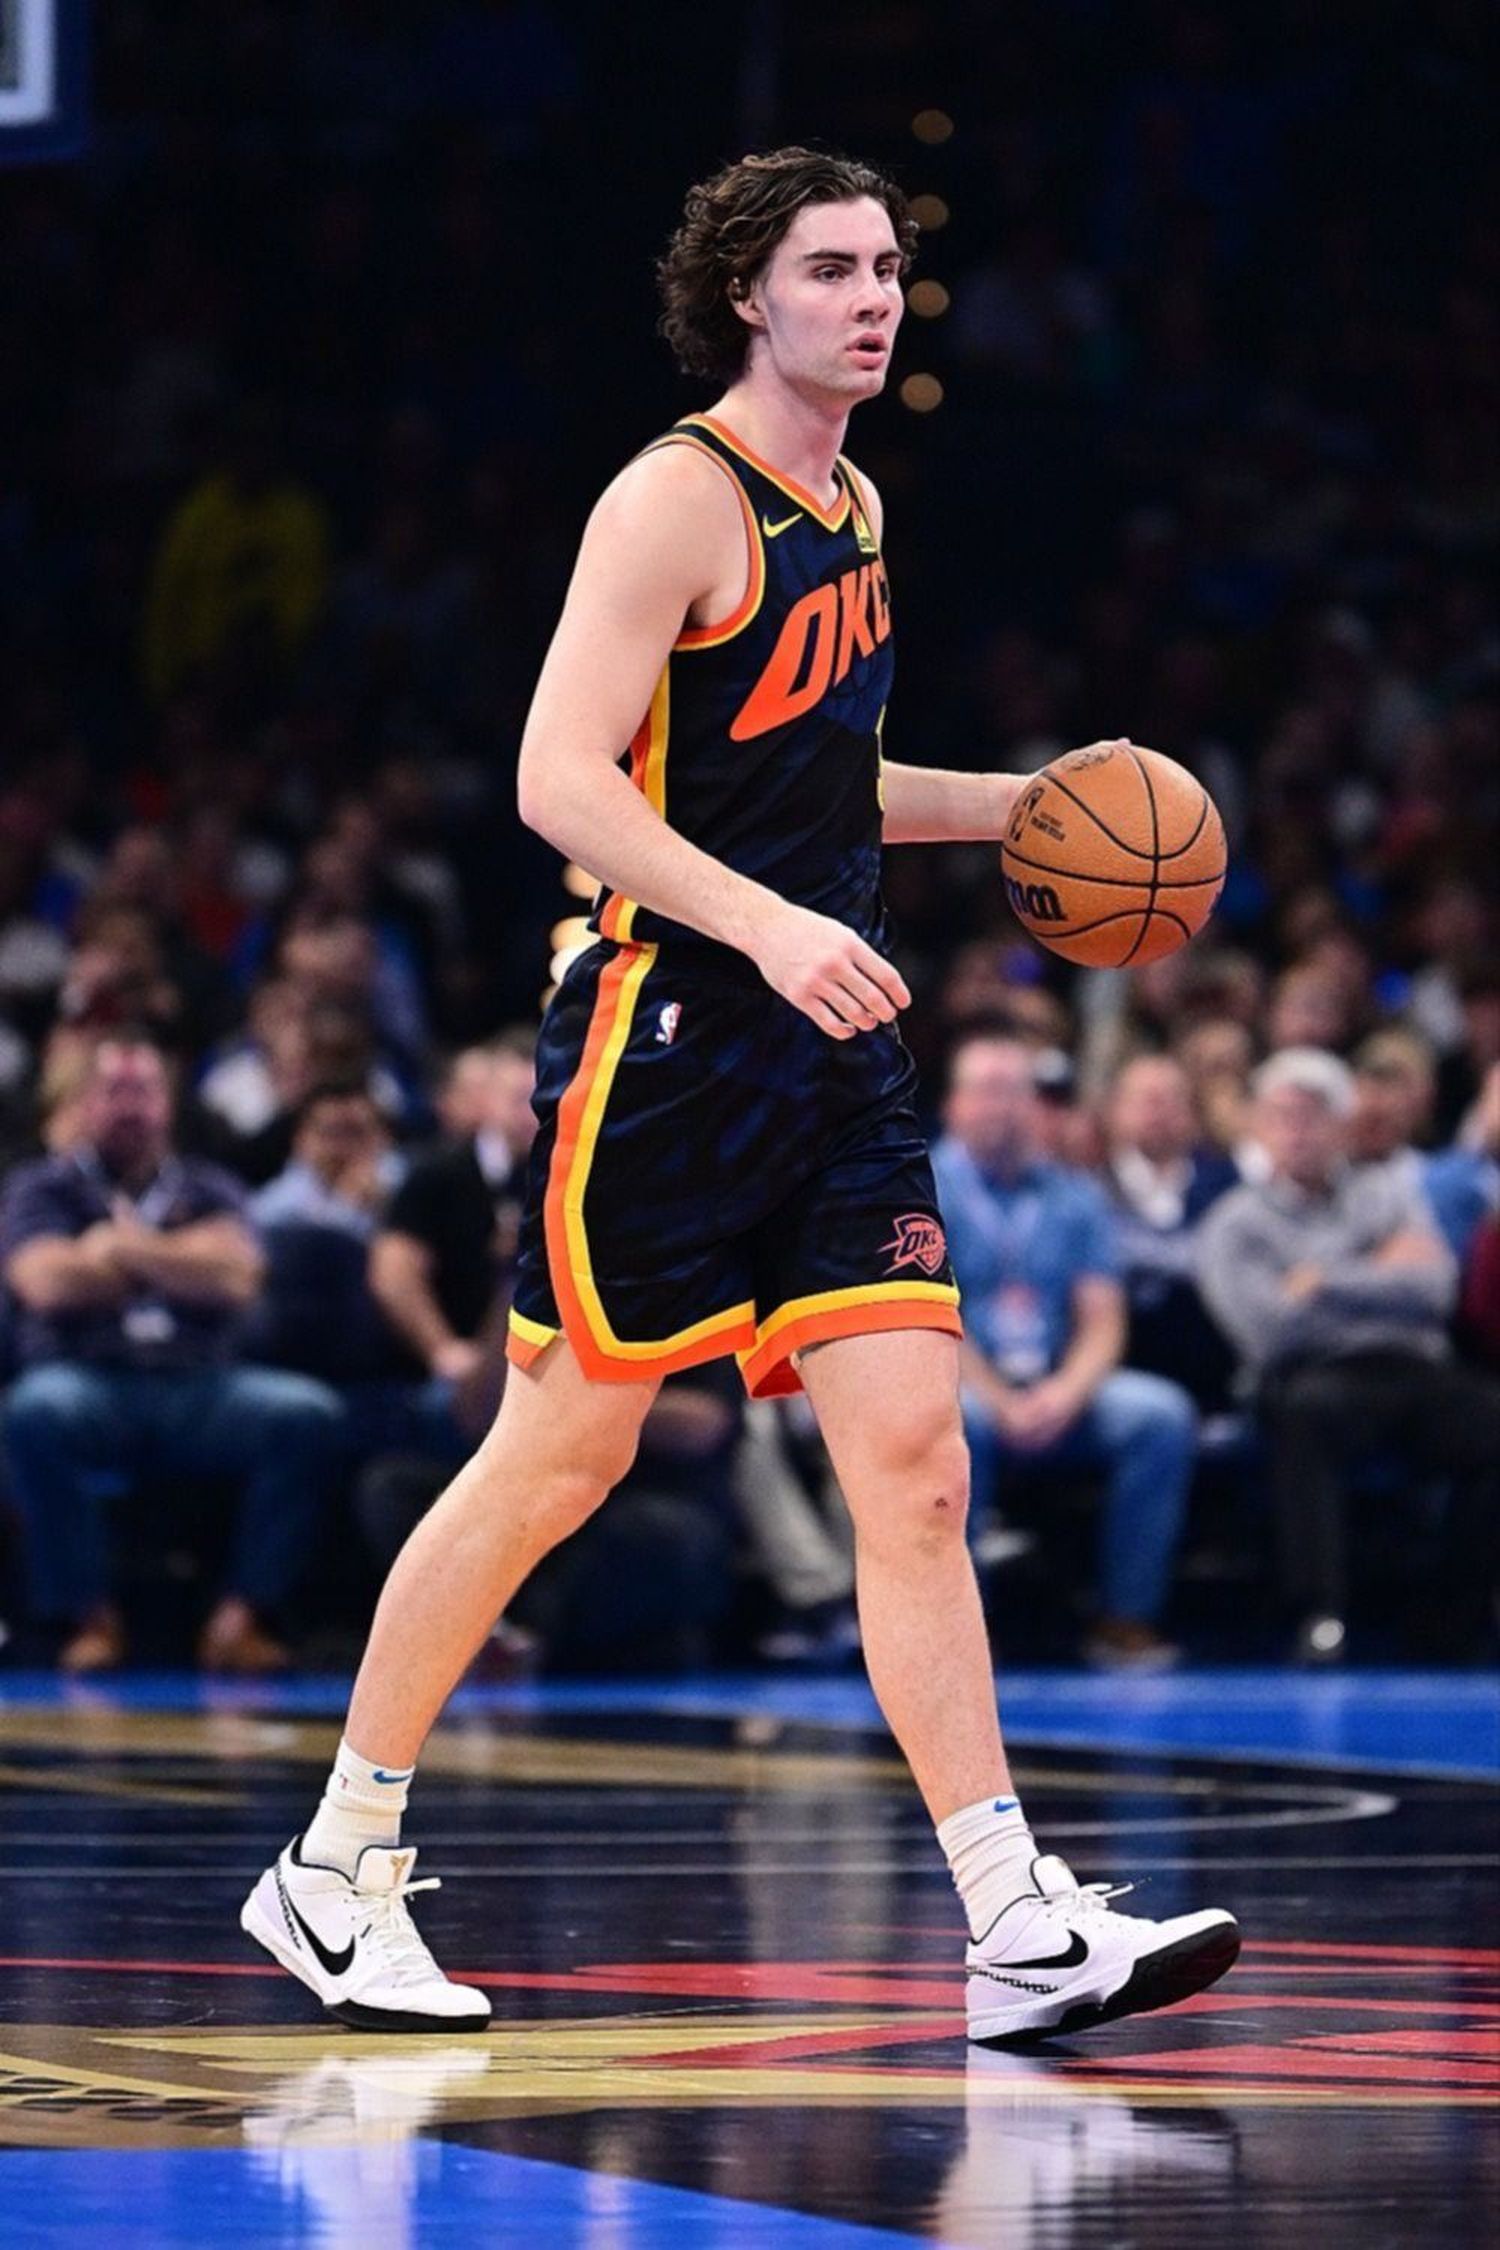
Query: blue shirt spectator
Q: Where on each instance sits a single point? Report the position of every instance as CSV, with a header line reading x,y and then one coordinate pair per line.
x,y
1394,1091
1037,1261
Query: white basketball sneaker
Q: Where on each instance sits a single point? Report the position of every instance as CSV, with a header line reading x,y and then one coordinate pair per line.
x,y
355,1944
1059,1958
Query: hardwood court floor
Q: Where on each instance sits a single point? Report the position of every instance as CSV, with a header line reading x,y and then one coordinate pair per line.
x,y
724,1957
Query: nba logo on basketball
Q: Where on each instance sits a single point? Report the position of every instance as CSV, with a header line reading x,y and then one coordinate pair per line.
x,y
667,1022
919,1241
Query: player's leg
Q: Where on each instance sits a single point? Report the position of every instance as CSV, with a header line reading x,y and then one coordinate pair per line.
x,y
558,1445
1046,1954
332,1908
888,1409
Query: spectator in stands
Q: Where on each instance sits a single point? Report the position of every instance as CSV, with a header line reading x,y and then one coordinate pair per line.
x,y
316,1221
1161,1180
440,1263
1395,1079
1217,1054
1334,1286
1039,1266
132,1267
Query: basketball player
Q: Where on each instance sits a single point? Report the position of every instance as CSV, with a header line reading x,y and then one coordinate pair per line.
x,y
728,1157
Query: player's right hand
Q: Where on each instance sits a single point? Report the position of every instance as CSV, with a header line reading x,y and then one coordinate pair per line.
x,y
828,972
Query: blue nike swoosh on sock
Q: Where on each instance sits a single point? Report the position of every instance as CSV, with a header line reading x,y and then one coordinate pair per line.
x,y
379,1776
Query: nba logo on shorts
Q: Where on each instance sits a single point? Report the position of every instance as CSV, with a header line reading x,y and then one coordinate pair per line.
x,y
667,1022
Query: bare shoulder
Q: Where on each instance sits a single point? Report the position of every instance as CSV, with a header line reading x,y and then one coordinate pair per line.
x,y
870,493
674,491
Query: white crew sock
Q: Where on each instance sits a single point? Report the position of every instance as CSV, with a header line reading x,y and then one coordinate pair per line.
x,y
989,1850
362,1805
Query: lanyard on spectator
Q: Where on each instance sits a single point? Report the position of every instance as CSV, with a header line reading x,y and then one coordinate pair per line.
x,y
1008,1234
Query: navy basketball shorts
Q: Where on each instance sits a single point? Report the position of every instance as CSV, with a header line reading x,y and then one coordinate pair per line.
x,y
714,1174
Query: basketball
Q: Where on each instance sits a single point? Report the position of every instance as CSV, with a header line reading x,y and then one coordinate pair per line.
x,y
1114,856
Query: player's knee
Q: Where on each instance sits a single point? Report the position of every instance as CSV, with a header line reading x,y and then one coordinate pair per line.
x,y
920,1498
595,1463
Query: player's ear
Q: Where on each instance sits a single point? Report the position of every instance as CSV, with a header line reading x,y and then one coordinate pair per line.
x,y
745,298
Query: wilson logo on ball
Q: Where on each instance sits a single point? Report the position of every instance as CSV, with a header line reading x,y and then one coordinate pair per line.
x,y
1039,902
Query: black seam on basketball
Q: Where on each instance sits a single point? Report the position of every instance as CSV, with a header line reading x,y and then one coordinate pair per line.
x,y
1056,937
1178,849
1155,858
1116,882
1103,825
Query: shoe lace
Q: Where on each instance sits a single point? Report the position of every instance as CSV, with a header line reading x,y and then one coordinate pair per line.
x,y
1090,1900
387,1929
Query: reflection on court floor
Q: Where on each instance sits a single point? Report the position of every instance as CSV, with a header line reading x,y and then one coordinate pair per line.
x,y
724,1960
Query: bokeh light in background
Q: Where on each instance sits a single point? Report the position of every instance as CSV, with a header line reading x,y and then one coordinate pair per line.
x,y
921,393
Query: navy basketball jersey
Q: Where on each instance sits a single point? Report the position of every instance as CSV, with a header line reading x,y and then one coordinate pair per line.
x,y
762,741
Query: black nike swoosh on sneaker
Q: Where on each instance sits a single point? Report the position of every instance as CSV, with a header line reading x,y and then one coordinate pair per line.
x,y
1076,1954
336,1964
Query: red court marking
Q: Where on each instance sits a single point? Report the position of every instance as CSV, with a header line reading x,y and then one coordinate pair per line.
x,y
1478,1957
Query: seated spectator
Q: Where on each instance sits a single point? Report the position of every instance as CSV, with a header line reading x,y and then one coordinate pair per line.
x,y
1036,1258
1217,1054
249,1104
1334,1286
440,1262
316,1221
132,1267
1161,1181
1311,1006
1395,1082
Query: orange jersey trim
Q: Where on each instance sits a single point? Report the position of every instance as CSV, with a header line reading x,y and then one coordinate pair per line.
x,y
648,771
856,484
830,518
604,1356
767,1369
725,628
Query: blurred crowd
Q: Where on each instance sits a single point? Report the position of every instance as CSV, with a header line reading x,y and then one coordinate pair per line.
x,y
294,445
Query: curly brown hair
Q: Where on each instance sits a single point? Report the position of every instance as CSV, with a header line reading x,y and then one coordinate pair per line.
x,y
730,226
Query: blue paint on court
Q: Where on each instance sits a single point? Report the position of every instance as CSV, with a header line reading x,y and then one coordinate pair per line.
x,y
382,2196
1395,1722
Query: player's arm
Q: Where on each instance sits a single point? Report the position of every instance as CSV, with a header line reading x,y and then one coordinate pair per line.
x,y
924,805
668,534
928,805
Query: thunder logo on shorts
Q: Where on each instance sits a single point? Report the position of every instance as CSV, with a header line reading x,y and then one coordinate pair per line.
x,y
712,1172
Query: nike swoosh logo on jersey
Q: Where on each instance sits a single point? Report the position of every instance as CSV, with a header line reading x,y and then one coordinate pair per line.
x,y
336,1964
774,530
1077,1953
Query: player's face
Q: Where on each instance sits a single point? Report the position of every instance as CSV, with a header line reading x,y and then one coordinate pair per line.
x,y
830,301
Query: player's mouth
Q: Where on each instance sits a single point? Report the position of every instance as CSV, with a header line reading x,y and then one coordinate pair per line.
x,y
871,349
